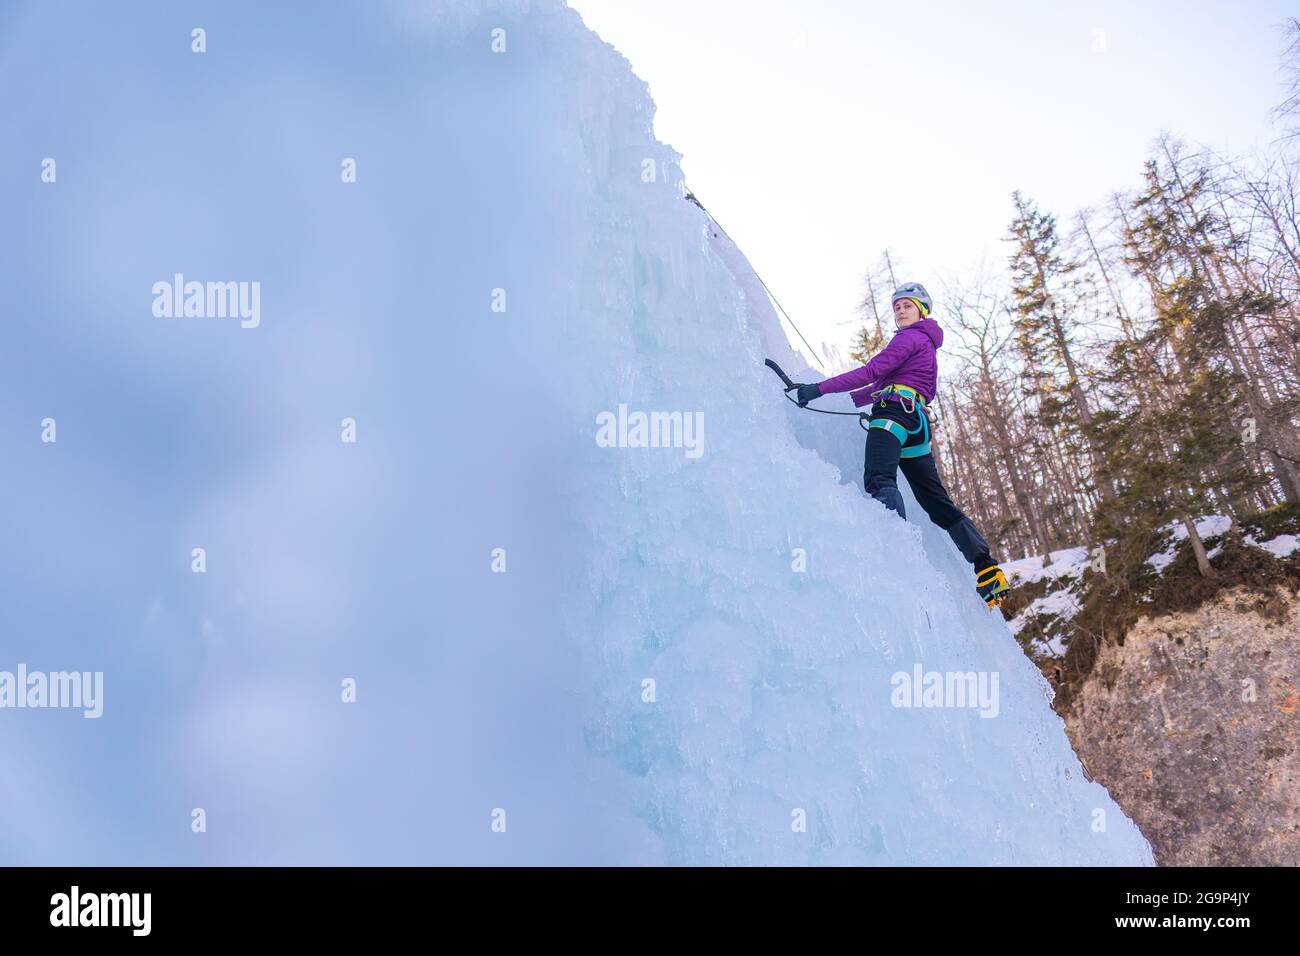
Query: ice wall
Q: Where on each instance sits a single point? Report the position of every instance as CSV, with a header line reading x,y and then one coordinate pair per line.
x,y
624,654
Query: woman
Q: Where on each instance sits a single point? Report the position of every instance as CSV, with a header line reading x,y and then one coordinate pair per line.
x,y
901,380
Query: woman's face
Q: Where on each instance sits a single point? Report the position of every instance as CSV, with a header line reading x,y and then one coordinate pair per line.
x,y
906,313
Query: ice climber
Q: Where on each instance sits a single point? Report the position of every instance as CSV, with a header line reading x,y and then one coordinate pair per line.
x,y
901,383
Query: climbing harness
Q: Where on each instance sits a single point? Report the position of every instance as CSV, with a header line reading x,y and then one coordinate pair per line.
x,y
910,399
903,434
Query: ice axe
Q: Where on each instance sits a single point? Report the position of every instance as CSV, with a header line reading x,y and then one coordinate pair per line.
x,y
791,386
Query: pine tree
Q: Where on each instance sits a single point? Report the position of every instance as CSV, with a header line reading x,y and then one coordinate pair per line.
x,y
871,338
1177,460
1044,303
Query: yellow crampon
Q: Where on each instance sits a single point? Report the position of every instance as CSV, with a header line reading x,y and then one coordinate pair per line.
x,y
992,586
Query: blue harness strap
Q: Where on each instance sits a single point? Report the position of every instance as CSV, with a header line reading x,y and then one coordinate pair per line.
x,y
923,448
903,434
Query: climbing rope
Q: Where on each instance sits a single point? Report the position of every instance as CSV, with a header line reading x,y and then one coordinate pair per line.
x,y
690,197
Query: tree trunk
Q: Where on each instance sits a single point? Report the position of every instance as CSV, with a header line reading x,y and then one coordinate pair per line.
x,y
1198,547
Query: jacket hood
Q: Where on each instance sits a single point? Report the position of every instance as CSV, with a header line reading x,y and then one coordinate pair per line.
x,y
931,328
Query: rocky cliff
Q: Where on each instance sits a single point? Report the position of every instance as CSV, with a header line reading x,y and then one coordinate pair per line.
x,y
1192,722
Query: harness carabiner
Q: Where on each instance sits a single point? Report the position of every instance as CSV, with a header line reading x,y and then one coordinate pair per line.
x,y
907,401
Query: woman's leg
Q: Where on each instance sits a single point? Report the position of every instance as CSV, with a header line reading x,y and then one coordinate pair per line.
x,y
923,475
879,477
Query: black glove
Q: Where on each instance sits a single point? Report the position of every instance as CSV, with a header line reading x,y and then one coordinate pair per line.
x,y
807,393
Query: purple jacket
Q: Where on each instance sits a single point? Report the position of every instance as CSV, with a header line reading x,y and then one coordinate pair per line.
x,y
908,359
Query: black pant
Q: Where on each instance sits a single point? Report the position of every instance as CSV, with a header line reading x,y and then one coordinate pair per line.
x,y
880,480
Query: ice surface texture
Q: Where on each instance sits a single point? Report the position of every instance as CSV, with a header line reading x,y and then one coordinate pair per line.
x,y
522,691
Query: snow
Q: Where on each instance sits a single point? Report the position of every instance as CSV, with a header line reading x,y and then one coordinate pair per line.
x,y
1280,547
1055,645
1162,559
683,660
1212,526
1070,562
1209,526
1066,565
1063,602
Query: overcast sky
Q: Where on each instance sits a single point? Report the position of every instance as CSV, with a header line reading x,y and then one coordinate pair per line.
x,y
821,132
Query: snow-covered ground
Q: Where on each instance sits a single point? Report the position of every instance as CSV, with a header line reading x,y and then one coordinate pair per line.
x,y
1061,602
1213,526
1069,562
1280,547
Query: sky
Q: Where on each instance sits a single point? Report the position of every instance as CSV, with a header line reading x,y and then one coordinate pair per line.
x,y
823,132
